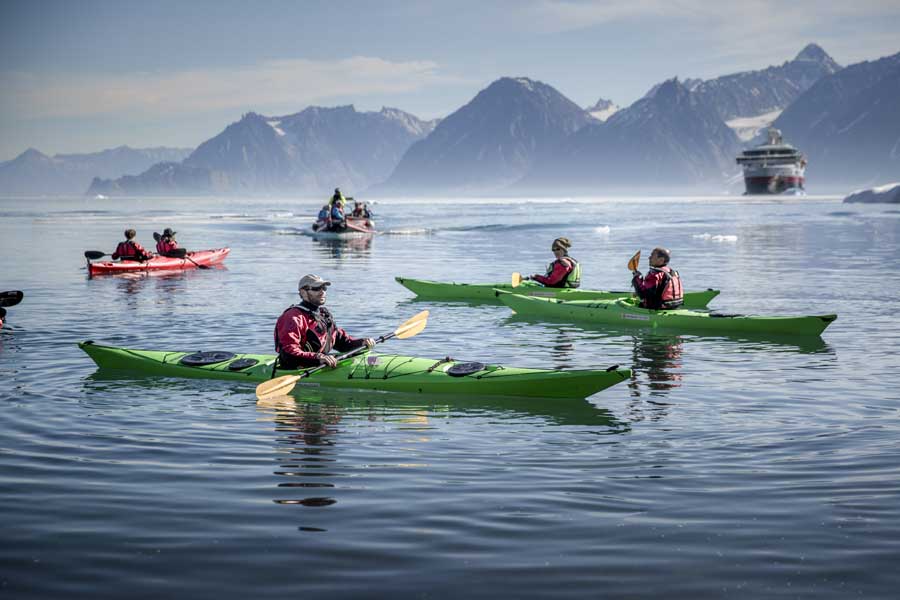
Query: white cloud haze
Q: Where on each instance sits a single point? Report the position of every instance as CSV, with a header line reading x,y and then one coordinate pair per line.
x,y
281,82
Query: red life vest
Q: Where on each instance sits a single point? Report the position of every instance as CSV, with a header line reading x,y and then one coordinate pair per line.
x,y
130,250
660,289
672,295
166,245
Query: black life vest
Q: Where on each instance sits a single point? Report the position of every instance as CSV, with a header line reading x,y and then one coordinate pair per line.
x,y
324,325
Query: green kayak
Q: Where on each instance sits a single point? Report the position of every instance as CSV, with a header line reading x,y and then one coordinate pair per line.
x,y
624,312
484,292
383,372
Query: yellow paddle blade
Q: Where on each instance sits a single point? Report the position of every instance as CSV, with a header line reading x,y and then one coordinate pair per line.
x,y
279,386
283,402
635,261
516,279
413,326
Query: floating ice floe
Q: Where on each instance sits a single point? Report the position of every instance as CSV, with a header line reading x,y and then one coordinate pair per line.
x,y
882,193
601,229
715,238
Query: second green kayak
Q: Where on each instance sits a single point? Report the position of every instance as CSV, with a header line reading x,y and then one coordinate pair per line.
x,y
624,312
384,372
484,292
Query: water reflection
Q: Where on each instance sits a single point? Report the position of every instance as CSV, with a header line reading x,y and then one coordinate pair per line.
x,y
656,357
563,349
347,248
305,436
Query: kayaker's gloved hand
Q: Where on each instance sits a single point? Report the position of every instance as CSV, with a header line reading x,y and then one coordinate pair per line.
x,y
636,274
369,342
328,360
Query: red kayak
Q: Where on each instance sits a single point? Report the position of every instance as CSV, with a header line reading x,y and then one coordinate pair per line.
x,y
192,260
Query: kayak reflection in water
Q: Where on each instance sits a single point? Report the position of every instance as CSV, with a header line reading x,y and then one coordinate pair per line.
x,y
305,333
564,271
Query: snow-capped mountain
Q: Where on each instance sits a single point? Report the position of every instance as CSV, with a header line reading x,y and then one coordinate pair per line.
x,y
310,152
603,109
752,93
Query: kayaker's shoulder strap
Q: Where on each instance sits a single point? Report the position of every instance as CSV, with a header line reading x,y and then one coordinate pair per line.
x,y
324,320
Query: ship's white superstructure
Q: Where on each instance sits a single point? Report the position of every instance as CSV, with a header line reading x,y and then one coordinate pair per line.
x,y
773,167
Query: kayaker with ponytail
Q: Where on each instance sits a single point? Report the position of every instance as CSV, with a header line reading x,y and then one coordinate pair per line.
x,y
305,333
661,287
130,249
166,242
564,271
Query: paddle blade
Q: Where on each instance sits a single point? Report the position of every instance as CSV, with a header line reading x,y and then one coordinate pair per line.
x,y
413,326
516,279
156,236
94,254
635,261
280,386
10,298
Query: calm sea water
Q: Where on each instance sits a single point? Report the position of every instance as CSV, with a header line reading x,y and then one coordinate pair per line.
x,y
727,467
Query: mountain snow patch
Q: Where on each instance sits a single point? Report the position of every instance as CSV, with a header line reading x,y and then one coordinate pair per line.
x,y
747,128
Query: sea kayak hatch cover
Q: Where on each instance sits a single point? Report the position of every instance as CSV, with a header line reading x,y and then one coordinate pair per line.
x,y
201,359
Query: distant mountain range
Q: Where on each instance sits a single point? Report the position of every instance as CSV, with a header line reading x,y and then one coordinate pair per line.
x,y
848,125
34,174
519,135
757,92
669,138
490,142
310,152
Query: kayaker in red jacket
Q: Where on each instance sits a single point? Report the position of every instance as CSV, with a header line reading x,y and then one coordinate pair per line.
x,y
661,287
565,271
305,333
130,249
166,242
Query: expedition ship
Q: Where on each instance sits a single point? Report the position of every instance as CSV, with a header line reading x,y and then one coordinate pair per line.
x,y
773,167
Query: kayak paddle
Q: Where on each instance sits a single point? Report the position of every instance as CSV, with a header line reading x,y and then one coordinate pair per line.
x,y
284,384
10,298
516,279
634,262
95,254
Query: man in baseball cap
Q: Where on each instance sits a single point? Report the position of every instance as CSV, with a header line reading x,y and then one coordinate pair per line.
x,y
305,333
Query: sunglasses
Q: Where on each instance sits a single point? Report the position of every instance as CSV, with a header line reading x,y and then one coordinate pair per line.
x,y
318,288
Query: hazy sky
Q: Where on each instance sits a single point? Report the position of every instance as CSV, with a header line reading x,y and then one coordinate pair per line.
x,y
83,75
